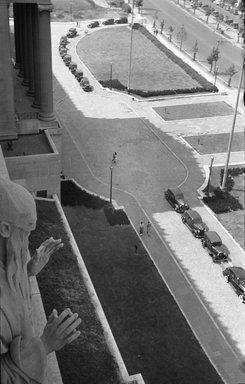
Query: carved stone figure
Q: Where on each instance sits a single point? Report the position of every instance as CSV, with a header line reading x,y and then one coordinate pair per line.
x,y
23,355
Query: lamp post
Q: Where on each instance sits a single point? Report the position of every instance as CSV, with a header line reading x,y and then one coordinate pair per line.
x,y
111,76
216,74
111,169
209,177
130,51
233,127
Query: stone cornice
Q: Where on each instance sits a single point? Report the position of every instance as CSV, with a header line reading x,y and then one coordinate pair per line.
x,y
45,7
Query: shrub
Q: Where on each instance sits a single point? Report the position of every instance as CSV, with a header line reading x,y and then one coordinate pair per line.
x,y
222,202
126,8
115,216
72,194
232,172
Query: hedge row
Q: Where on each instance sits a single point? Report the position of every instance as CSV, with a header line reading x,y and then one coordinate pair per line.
x,y
222,202
72,195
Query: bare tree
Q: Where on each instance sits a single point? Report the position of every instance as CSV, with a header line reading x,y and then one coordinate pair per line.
x,y
182,35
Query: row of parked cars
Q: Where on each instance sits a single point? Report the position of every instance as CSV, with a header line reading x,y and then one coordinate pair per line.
x,y
121,20
210,240
78,73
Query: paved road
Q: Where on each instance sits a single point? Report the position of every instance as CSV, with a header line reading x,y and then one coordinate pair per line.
x,y
176,16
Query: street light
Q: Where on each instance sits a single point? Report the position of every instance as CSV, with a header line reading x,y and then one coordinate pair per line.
x,y
130,51
111,76
209,177
216,74
111,169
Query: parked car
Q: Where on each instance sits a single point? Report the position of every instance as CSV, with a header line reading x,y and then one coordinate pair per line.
x,y
63,52
88,88
175,198
94,24
78,74
194,222
122,20
72,66
63,39
108,22
72,32
67,59
235,25
235,11
236,277
218,251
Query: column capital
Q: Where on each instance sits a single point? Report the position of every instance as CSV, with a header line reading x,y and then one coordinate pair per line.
x,y
45,7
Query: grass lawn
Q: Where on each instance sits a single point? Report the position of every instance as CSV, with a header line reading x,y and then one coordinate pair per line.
x,y
217,143
87,360
151,71
194,111
233,221
151,332
81,9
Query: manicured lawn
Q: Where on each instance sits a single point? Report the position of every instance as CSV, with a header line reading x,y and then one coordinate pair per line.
x,y
218,143
151,332
151,69
81,9
233,221
194,111
87,360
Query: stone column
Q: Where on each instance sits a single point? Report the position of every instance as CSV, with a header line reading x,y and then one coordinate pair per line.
x,y
35,32
29,8
17,34
25,82
45,59
21,40
7,124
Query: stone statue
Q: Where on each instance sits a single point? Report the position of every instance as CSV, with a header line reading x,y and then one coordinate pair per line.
x,y
23,355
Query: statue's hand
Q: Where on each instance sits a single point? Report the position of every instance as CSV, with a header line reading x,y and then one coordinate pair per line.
x,y
42,255
60,330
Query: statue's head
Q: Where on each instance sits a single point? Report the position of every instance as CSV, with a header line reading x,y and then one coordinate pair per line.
x,y
17,220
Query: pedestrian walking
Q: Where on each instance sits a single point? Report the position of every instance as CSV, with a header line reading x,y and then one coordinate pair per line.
x,y
156,31
136,248
148,228
154,24
162,25
141,231
114,158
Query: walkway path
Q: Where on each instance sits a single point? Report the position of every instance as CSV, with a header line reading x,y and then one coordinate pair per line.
x,y
96,123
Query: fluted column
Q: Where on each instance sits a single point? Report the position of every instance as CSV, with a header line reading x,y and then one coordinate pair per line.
x,y
7,124
45,67
35,41
29,8
17,34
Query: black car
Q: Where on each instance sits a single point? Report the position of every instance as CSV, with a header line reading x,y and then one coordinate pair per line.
x,y
108,22
176,198
72,32
94,24
218,251
236,277
122,20
194,222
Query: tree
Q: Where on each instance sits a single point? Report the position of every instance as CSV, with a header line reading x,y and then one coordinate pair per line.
x,y
208,13
195,50
213,58
139,5
162,25
170,32
195,6
182,35
231,71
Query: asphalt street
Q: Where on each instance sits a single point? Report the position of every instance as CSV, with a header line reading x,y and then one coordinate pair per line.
x,y
176,16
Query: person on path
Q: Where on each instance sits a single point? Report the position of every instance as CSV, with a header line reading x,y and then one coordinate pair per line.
x,y
156,31
148,228
154,24
162,25
141,231
114,158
